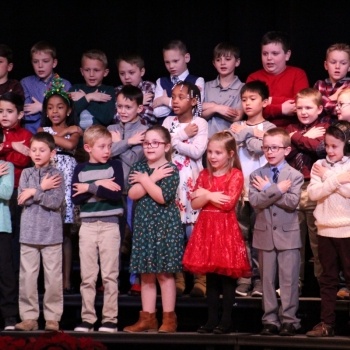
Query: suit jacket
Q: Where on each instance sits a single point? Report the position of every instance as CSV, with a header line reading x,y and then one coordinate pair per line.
x,y
276,224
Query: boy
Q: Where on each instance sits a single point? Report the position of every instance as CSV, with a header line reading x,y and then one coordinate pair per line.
x,y
6,66
93,101
131,69
97,186
222,102
283,81
41,193
15,150
274,192
307,147
127,137
337,64
248,134
176,58
43,56
8,290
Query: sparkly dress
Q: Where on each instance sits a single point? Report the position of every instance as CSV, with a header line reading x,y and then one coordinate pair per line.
x,y
65,162
216,244
157,242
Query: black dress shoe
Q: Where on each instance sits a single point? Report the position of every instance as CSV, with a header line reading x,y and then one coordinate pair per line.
x,y
287,329
222,330
205,329
269,329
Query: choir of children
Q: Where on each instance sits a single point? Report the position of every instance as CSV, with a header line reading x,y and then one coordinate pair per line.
x,y
277,171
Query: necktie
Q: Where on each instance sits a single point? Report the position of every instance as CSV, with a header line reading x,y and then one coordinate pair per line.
x,y
276,172
175,79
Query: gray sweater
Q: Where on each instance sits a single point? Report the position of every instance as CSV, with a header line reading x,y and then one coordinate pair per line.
x,y
41,220
128,154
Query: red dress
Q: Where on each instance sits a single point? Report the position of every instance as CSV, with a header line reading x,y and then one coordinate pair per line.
x,y
216,244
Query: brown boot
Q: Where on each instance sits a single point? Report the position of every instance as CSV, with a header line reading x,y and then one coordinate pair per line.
x,y
180,283
147,323
169,324
199,287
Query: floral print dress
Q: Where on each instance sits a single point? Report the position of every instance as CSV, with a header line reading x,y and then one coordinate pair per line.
x,y
157,243
187,156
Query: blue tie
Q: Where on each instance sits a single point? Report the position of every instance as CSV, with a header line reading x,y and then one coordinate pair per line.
x,y
175,79
276,172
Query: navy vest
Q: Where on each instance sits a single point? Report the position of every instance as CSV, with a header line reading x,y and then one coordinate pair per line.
x,y
167,84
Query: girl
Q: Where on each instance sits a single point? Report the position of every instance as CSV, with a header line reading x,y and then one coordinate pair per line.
x,y
216,246
330,187
58,119
157,237
189,137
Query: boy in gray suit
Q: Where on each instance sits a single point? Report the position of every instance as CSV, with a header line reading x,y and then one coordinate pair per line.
x,y
274,192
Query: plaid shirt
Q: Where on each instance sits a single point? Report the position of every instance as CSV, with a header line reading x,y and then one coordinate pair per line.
x,y
327,89
147,111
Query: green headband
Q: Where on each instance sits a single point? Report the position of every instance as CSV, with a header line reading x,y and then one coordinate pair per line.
x,y
57,88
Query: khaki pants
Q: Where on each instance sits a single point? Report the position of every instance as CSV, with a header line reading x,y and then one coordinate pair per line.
x,y
99,240
28,286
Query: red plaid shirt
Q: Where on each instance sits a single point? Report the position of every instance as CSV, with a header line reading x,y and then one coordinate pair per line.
x,y
147,112
327,89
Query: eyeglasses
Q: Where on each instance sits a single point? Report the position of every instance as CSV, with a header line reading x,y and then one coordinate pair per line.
x,y
273,149
341,105
153,144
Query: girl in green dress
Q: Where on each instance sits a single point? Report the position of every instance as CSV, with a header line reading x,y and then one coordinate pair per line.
x,y
157,238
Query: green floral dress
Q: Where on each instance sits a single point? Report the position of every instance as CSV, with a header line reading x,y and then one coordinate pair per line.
x,y
157,244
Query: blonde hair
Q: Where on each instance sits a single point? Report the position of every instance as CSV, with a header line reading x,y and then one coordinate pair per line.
x,y
286,141
345,91
312,93
229,144
95,55
43,46
338,47
95,132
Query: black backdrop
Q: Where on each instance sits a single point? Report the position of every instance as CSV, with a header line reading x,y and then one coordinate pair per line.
x,y
145,26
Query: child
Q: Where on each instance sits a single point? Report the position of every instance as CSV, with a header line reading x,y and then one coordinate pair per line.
x,y
59,120
283,81
127,137
93,101
158,238
337,64
274,192
189,137
41,193
176,58
222,102
44,60
8,286
216,246
248,135
97,186
15,150
131,68
307,147
343,105
330,187
6,66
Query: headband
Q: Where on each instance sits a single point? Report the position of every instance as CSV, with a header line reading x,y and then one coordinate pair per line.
x,y
57,88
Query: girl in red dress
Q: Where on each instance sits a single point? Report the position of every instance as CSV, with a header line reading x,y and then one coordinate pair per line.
x,y
216,247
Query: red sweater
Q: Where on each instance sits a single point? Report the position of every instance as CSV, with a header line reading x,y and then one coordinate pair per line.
x,y
311,149
19,160
282,87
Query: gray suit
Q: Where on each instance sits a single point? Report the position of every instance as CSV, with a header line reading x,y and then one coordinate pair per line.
x,y
277,236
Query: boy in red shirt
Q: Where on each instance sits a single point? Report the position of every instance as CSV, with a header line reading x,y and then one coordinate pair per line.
x,y
283,81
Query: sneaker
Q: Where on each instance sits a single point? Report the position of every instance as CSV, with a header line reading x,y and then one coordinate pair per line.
x,y
257,290
343,293
84,327
243,289
27,325
108,327
10,323
321,330
52,326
